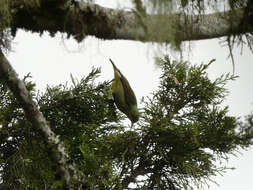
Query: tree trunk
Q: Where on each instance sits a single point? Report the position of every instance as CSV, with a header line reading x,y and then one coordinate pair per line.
x,y
80,19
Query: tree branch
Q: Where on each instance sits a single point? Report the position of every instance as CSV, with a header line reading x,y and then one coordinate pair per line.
x,y
80,19
57,153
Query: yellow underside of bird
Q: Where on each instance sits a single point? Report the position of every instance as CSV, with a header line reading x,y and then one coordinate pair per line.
x,y
124,96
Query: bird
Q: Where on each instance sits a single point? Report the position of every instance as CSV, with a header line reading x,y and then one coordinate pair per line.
x,y
124,96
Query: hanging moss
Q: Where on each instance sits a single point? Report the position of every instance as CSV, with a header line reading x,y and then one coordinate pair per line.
x,y
157,27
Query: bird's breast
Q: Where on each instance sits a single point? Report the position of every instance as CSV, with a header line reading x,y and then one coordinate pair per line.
x,y
119,96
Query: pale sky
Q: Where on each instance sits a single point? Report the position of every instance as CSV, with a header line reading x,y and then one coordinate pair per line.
x,y
51,60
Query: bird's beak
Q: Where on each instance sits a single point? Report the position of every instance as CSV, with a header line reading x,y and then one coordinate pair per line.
x,y
116,70
113,64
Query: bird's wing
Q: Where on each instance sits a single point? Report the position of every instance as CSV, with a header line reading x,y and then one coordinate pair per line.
x,y
128,92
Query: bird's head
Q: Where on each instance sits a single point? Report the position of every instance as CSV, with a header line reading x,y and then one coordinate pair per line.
x,y
117,73
134,115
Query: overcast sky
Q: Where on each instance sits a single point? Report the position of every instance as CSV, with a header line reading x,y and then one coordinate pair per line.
x,y
51,60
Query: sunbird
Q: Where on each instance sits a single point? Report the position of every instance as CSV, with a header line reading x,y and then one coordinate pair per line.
x,y
124,96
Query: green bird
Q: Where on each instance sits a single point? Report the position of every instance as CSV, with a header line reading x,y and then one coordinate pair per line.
x,y
124,96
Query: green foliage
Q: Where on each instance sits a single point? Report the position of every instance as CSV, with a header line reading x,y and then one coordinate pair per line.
x,y
185,130
71,111
181,134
